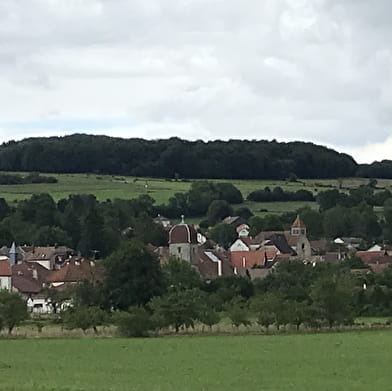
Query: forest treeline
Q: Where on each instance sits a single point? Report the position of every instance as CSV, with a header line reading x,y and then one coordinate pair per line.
x,y
176,158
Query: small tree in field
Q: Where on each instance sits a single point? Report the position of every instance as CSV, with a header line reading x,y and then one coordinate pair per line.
x,y
13,309
84,318
178,308
136,322
238,313
209,317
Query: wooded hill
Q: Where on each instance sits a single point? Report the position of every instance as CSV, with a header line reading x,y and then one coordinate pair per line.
x,y
169,158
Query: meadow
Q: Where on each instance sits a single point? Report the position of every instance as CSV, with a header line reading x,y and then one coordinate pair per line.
x,y
311,362
119,187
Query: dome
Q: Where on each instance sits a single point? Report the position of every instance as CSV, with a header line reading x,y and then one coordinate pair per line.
x,y
183,233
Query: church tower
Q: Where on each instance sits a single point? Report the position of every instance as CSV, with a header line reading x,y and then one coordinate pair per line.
x,y
183,242
298,228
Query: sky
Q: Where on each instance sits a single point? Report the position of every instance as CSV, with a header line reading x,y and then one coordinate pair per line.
x,y
310,70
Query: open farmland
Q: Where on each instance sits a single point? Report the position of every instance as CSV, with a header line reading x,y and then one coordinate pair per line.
x,y
112,187
349,361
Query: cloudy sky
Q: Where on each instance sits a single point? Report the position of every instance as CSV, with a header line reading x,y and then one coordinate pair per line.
x,y
313,70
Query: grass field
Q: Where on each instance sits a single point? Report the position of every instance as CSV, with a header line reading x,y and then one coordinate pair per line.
x,y
112,187
314,362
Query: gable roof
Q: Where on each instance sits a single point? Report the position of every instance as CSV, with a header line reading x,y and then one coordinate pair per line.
x,y
44,253
370,256
76,270
249,259
208,263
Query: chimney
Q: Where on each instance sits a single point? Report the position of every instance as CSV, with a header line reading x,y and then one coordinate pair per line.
x,y
35,274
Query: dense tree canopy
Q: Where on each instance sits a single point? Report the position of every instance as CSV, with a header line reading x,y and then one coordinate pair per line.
x,y
174,158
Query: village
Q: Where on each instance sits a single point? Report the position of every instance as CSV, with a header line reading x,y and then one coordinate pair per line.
x,y
33,271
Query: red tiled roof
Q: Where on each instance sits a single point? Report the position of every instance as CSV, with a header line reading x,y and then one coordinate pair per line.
x,y
248,259
298,223
5,267
182,233
28,277
77,270
370,256
25,285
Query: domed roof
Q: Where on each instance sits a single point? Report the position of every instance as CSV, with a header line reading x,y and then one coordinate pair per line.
x,y
182,233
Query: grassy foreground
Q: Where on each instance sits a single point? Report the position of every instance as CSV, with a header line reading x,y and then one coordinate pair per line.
x,y
347,361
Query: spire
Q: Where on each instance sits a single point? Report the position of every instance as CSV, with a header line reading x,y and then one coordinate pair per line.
x,y
13,254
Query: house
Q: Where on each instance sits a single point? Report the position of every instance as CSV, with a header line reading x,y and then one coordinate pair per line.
x,y
350,244
50,257
28,280
250,259
234,221
75,270
213,264
162,220
293,241
5,273
377,261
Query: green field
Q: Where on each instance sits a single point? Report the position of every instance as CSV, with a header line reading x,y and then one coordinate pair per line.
x,y
314,362
120,187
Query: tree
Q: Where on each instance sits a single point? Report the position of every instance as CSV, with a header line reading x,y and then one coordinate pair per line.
x,y
209,316
296,312
228,288
268,223
133,275
243,212
88,294
353,262
238,312
84,318
218,210
13,309
5,210
229,193
178,308
179,274
50,236
136,322
223,234
332,294
149,232
92,233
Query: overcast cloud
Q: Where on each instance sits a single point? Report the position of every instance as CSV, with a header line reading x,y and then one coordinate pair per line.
x,y
313,70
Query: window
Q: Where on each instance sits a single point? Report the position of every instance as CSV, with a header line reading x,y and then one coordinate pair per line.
x,y
179,250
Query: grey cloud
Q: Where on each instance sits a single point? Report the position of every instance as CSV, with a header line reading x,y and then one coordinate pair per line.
x,y
316,70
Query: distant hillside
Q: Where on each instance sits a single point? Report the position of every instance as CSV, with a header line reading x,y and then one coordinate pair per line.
x,y
175,157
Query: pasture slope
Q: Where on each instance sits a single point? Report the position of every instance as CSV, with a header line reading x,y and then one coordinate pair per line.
x,y
313,362
119,187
